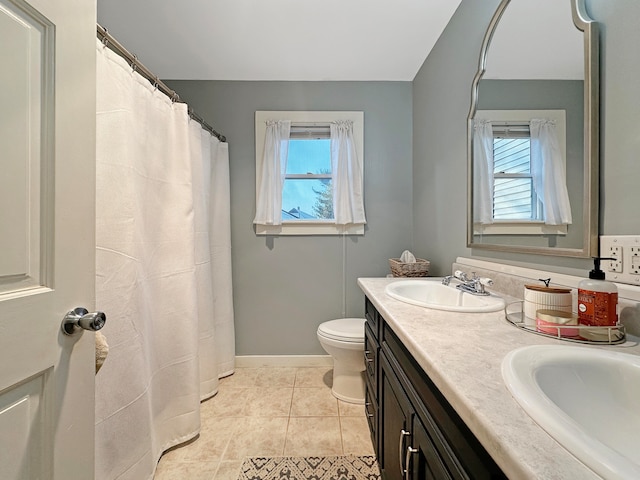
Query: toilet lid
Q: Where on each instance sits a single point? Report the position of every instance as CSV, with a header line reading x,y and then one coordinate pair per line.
x,y
343,329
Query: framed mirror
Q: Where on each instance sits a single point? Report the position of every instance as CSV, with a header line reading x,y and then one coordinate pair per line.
x,y
532,132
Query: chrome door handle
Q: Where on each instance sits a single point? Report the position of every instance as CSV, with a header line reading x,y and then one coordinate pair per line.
x,y
80,319
366,410
366,357
403,433
407,462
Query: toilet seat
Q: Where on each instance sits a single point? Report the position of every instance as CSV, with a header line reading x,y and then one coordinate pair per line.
x,y
349,330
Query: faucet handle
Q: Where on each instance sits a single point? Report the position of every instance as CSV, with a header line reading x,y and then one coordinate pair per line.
x,y
460,275
487,282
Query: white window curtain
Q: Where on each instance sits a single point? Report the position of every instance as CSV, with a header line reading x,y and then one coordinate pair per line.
x,y
483,171
347,171
547,169
271,175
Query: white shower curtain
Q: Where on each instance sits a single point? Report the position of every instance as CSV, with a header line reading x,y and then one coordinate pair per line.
x,y
158,244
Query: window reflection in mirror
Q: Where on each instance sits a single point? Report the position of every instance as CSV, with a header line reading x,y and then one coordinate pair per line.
x,y
520,173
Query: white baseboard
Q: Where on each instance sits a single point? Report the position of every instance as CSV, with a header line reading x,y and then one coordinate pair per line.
x,y
252,361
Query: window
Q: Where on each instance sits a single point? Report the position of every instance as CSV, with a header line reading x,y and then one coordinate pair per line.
x,y
307,189
516,208
307,192
513,195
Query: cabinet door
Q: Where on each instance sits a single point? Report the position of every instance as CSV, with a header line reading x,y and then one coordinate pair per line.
x,y
421,458
395,434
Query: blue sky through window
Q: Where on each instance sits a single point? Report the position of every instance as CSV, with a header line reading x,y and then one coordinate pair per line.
x,y
305,156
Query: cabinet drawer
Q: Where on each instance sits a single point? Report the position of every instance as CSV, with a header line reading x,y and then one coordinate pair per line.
x,y
371,349
372,316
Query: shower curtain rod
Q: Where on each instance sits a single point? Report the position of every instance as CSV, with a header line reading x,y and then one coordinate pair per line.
x,y
109,41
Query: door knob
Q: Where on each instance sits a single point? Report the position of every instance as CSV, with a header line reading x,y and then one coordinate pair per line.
x,y
80,319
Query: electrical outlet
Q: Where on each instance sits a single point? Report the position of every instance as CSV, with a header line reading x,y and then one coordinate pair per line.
x,y
626,251
615,251
635,260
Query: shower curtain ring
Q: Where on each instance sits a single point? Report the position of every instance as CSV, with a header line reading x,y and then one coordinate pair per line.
x,y
105,40
134,62
156,84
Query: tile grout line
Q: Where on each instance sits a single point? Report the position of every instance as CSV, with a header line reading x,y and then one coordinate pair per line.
x,y
224,452
286,433
340,425
228,442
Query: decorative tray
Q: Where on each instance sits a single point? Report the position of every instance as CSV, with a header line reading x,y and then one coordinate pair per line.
x,y
613,335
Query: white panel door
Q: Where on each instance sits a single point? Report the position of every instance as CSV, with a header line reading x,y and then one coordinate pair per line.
x,y
47,182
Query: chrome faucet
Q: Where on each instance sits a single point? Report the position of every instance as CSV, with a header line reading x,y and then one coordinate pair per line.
x,y
458,274
474,285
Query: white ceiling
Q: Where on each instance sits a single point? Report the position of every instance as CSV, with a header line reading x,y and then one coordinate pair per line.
x,y
279,39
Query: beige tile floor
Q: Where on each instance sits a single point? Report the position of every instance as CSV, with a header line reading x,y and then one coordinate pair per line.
x,y
269,411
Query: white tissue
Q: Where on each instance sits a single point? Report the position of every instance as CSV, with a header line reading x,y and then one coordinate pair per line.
x,y
102,350
407,257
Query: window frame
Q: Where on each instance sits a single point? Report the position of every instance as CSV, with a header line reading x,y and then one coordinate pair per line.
x,y
306,226
525,227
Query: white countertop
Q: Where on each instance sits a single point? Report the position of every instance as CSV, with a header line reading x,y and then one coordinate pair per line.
x,y
462,353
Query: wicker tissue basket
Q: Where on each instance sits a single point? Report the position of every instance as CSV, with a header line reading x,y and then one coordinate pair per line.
x,y
418,269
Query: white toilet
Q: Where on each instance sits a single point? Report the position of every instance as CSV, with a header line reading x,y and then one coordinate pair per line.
x,y
343,339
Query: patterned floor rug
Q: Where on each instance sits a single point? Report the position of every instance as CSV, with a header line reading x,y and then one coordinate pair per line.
x,y
348,467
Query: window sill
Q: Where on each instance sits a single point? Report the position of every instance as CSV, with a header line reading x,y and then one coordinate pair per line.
x,y
519,228
309,228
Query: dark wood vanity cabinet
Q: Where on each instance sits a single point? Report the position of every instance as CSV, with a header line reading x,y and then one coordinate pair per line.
x,y
415,431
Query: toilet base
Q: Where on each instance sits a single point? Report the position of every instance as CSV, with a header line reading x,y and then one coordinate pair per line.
x,y
348,385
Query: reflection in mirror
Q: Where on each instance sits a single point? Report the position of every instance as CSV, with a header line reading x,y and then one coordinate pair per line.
x,y
533,132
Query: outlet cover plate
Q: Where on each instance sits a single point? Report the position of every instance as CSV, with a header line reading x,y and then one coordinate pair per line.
x,y
626,250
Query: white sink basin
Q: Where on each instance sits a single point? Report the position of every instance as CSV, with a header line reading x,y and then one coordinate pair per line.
x,y
588,399
431,293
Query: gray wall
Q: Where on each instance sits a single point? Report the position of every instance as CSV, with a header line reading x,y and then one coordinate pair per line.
x,y
620,107
441,96
441,93
284,287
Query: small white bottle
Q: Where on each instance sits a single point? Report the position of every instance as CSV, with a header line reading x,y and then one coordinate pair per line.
x,y
597,303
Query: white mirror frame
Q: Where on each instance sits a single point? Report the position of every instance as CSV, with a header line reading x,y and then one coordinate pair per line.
x,y
584,23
